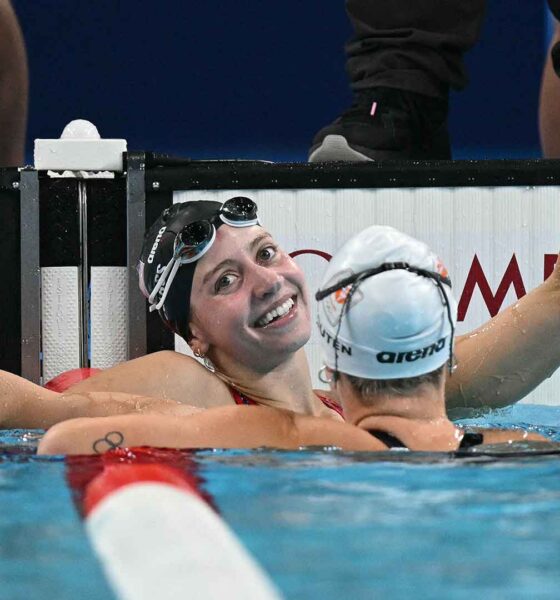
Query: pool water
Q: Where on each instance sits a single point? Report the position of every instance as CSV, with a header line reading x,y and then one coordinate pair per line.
x,y
44,552
324,524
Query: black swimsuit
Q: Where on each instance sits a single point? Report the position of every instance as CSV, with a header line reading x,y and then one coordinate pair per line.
x,y
469,439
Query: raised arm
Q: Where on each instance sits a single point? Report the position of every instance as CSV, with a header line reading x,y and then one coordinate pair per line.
x,y
225,427
502,361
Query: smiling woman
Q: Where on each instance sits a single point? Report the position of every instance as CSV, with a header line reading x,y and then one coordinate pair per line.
x,y
219,280
237,299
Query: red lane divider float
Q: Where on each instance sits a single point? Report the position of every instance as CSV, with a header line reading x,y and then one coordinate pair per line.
x,y
155,531
62,382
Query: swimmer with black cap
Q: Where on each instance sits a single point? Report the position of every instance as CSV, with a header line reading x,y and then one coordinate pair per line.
x,y
248,315
387,317
219,280
172,248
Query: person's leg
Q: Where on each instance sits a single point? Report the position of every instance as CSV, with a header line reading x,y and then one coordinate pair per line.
x,y
13,88
403,59
549,107
413,45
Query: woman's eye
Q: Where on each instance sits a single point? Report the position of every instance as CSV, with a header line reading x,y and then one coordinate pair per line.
x,y
224,282
267,254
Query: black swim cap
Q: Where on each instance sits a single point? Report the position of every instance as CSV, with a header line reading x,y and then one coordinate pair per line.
x,y
157,251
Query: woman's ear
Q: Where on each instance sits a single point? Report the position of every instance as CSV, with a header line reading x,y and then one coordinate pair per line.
x,y
197,341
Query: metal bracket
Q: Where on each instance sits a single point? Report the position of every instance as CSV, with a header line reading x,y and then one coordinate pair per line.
x,y
135,226
30,276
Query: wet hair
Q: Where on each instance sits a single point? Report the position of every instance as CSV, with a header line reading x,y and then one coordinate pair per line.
x,y
397,388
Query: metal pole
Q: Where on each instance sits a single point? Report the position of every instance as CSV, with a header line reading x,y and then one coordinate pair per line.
x,y
83,275
30,276
135,227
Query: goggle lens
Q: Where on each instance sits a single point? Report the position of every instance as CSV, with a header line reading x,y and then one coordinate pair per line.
x,y
193,238
195,233
239,209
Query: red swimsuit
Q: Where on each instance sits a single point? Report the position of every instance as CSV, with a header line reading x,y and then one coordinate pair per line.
x,y
241,398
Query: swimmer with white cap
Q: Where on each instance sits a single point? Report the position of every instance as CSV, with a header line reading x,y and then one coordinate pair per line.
x,y
218,279
387,318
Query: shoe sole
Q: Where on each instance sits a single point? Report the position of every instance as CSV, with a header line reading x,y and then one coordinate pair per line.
x,y
336,148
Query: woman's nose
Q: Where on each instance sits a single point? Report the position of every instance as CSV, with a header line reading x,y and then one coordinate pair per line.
x,y
266,282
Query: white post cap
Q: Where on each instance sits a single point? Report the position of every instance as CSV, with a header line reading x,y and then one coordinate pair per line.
x,y
80,148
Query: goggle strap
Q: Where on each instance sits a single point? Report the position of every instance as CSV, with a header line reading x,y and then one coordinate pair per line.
x,y
248,223
439,284
161,280
176,261
376,271
167,287
355,281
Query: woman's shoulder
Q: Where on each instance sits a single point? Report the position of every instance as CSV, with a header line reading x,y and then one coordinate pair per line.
x,y
163,374
198,385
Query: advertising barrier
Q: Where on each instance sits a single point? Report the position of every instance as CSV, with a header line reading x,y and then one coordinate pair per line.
x,y
493,223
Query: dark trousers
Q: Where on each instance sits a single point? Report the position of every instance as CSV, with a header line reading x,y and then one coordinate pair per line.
x,y
414,45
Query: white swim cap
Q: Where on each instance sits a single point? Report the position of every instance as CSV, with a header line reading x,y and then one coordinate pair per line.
x,y
397,323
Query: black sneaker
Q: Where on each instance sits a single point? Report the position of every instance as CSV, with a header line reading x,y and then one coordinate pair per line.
x,y
386,123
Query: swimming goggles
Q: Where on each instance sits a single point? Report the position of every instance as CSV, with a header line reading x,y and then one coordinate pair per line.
x,y
355,279
196,238
359,277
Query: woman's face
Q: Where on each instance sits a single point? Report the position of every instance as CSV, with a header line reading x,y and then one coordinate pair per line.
x,y
249,300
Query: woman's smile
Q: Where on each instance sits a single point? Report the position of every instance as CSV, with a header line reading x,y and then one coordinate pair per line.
x,y
280,314
256,293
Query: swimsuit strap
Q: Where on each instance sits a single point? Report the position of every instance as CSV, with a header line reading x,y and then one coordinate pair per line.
x,y
331,404
241,398
386,438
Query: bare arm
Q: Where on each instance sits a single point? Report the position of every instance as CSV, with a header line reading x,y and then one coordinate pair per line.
x,y
13,88
502,361
166,374
24,404
225,427
504,436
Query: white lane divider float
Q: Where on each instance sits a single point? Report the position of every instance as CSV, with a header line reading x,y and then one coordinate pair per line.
x,y
158,539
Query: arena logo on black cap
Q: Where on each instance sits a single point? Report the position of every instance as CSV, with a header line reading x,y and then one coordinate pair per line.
x,y
156,244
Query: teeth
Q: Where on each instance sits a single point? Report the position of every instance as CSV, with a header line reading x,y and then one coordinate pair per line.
x,y
279,311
